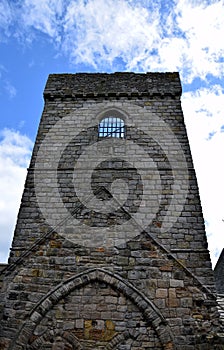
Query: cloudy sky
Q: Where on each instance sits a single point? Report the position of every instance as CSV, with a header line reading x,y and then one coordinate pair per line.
x,y
38,37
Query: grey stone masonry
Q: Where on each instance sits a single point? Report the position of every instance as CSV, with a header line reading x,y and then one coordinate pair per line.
x,y
219,274
109,250
220,300
219,283
112,85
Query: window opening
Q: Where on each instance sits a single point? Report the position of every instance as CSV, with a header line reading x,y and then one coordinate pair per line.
x,y
112,127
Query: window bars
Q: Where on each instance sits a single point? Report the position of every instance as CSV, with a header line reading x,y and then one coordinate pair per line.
x,y
111,127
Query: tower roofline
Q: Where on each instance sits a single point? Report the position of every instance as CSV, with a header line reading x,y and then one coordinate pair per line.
x,y
117,85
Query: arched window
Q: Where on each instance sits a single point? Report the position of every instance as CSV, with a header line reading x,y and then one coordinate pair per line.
x,y
111,127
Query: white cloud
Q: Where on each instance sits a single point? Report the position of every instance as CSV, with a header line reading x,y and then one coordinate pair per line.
x,y
203,112
5,18
43,16
98,31
2,70
202,25
10,89
26,19
15,151
186,36
5,85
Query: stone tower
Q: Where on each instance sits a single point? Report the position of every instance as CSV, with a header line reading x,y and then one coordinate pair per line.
x,y
109,250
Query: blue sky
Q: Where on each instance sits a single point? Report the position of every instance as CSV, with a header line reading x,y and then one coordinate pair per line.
x,y
39,37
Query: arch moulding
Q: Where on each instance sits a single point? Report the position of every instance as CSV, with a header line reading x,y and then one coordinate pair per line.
x,y
150,312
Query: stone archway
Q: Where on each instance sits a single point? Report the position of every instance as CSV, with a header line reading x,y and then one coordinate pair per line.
x,y
147,309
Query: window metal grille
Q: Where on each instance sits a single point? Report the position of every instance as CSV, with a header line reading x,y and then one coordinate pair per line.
x,y
112,127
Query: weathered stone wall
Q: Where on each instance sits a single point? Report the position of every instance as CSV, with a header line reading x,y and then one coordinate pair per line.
x,y
109,250
219,274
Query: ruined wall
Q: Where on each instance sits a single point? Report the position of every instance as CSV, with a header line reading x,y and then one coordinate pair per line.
x,y
109,250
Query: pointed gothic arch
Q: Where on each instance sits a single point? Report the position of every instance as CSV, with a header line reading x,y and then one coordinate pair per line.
x,y
148,309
